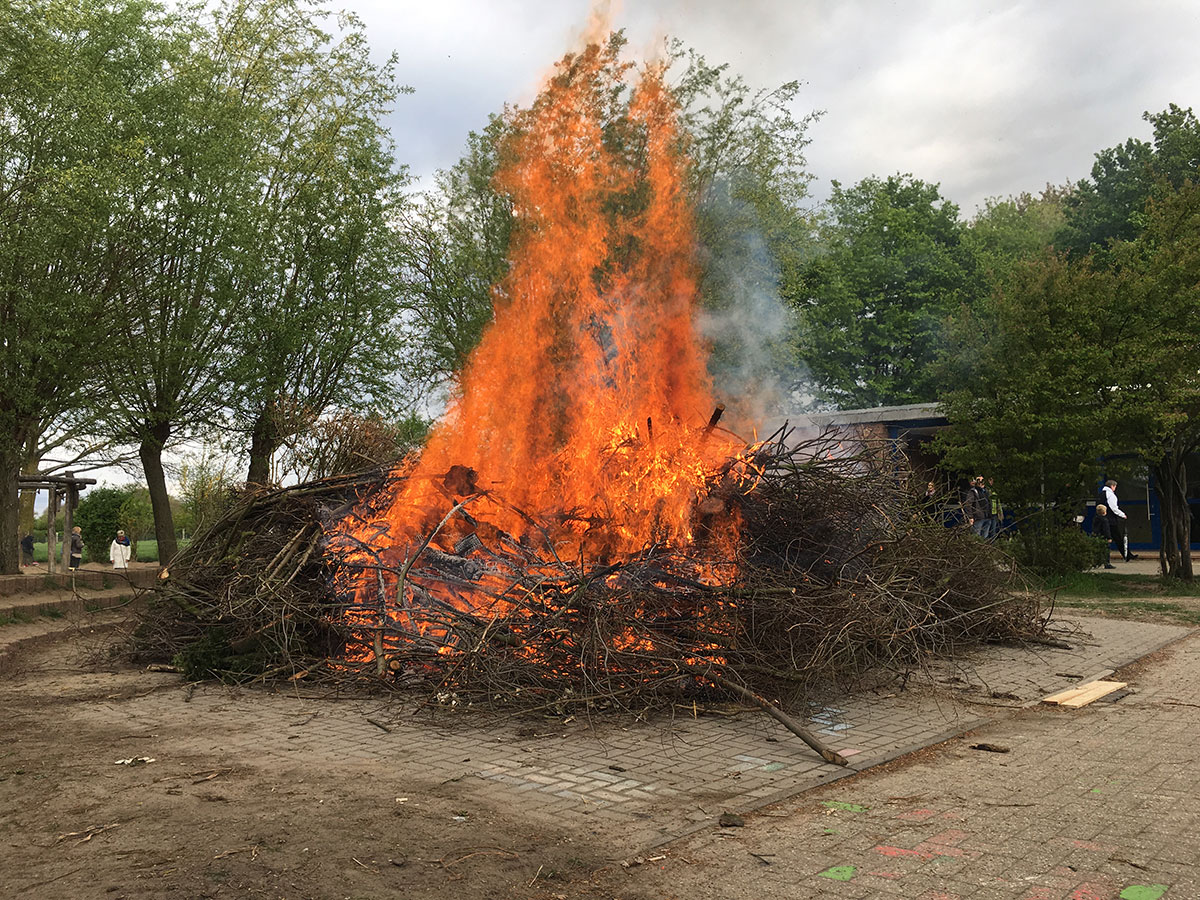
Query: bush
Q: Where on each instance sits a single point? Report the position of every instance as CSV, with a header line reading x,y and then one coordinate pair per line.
x,y
1047,546
98,517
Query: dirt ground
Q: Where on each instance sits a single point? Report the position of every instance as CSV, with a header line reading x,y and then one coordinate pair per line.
x,y
199,824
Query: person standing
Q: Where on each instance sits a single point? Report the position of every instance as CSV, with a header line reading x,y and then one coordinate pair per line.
x,y
119,552
995,512
27,550
1102,527
1117,520
76,548
975,506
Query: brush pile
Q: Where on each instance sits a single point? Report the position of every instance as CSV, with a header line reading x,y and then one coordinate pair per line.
x,y
840,571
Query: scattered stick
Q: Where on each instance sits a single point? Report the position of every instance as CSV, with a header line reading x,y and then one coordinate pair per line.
x,y
87,834
487,851
826,753
252,850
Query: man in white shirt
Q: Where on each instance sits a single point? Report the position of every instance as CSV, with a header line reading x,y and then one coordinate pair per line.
x,y
1116,520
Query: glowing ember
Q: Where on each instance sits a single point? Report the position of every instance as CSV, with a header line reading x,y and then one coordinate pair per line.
x,y
580,429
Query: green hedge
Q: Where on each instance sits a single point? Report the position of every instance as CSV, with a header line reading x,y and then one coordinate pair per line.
x,y
1048,548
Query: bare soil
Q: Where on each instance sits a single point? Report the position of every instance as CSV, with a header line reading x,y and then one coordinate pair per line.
x,y
196,823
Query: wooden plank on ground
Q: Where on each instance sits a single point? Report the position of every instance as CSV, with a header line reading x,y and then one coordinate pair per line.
x,y
1084,694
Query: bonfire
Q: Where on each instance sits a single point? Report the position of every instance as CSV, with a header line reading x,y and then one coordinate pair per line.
x,y
580,531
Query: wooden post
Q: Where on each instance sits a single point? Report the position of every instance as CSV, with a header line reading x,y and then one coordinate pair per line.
x,y
51,528
72,501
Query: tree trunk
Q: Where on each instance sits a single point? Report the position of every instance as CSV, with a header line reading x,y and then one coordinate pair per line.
x,y
28,498
1183,514
10,547
1170,476
150,452
264,441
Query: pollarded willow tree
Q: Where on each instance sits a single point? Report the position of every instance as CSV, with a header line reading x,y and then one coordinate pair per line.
x,y
253,278
318,289
70,73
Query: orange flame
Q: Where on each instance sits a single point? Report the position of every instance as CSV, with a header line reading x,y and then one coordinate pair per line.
x,y
583,407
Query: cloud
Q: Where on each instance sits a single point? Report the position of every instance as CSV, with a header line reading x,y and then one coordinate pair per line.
x,y
987,100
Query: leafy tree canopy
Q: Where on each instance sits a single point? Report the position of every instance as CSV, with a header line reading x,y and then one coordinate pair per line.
x,y
873,305
1111,205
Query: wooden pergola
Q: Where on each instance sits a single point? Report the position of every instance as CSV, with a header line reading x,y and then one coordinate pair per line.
x,y
62,489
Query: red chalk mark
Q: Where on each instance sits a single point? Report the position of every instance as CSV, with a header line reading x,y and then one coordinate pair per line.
x,y
1041,893
1089,892
942,844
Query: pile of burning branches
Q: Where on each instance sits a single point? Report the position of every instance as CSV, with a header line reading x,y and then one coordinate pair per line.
x,y
839,572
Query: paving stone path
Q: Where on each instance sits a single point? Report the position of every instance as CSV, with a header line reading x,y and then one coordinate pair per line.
x,y
647,783
1098,803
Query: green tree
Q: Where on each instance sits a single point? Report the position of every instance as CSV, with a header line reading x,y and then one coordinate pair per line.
x,y
252,281
1033,381
1111,206
179,241
206,486
1008,231
136,515
452,246
1071,360
873,305
70,73
750,182
317,287
1160,358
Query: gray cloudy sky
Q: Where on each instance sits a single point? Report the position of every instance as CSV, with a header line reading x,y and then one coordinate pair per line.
x,y
987,98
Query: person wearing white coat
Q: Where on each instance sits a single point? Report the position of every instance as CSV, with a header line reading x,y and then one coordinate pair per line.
x,y
119,552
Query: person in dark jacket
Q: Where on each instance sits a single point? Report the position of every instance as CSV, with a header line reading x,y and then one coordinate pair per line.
x,y
976,506
1102,527
76,548
27,550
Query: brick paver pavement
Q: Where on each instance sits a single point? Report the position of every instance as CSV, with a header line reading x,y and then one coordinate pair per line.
x,y
648,782
1098,803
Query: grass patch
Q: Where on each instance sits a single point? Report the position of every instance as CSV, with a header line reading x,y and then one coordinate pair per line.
x,y
16,617
1094,584
1176,613
147,551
